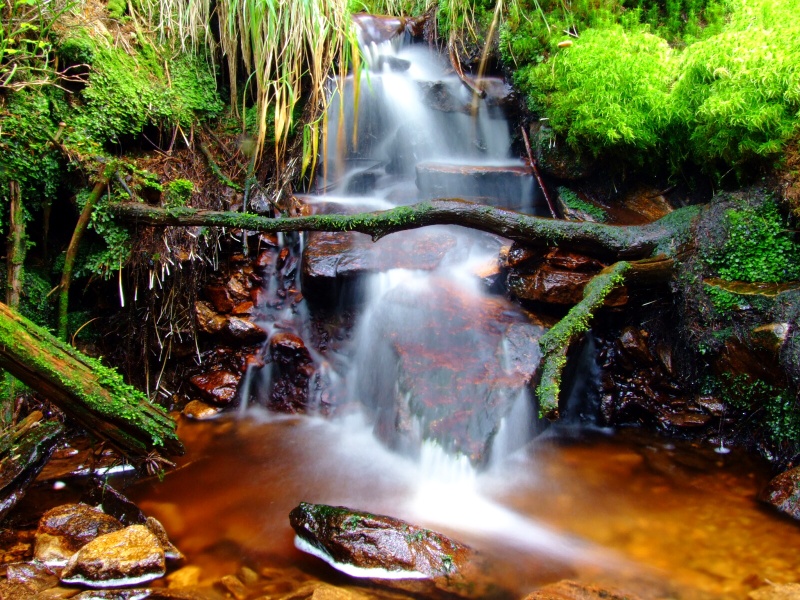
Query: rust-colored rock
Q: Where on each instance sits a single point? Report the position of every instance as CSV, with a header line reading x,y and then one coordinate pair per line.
x,y
125,557
783,493
391,551
238,286
200,411
376,29
633,343
219,297
243,308
65,529
292,368
243,331
572,590
218,387
208,320
333,261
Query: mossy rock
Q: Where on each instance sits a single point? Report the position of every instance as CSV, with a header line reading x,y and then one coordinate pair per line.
x,y
556,158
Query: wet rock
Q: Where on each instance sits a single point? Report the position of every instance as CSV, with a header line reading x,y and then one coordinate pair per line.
x,y
549,285
114,503
556,158
187,576
126,557
243,331
459,364
32,577
200,411
509,186
238,286
234,586
243,308
208,321
742,357
633,343
334,262
220,298
218,387
385,549
157,529
65,529
292,368
783,493
572,590
127,594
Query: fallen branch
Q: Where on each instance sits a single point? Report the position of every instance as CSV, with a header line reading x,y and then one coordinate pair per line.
x,y
212,164
557,340
84,389
664,236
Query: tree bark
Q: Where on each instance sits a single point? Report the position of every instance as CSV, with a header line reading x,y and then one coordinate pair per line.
x,y
595,239
72,252
92,394
16,247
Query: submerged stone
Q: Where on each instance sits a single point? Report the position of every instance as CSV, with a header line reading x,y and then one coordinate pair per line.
x,y
292,368
385,549
572,590
126,557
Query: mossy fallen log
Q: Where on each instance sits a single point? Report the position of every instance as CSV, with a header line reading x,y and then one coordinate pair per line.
x,y
596,239
84,389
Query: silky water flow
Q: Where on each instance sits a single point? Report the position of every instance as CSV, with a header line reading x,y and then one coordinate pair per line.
x,y
436,414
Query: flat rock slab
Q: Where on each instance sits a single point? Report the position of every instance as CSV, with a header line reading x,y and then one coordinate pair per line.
x,y
507,186
332,261
387,550
446,365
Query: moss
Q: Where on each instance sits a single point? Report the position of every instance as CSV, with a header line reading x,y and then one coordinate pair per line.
x,y
571,200
554,342
178,192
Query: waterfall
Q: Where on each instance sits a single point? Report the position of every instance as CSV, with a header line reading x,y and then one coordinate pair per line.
x,y
437,361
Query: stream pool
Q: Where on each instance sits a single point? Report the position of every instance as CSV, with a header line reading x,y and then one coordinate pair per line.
x,y
664,519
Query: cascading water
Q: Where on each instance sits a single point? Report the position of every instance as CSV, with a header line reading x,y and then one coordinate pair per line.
x,y
437,360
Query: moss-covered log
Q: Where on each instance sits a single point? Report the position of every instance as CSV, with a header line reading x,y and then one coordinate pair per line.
x,y
596,239
86,390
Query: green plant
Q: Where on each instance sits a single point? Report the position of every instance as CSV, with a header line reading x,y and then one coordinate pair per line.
x,y
775,410
758,247
571,200
178,193
738,92
608,92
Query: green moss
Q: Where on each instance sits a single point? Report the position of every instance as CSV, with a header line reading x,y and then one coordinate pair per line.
x,y
554,342
178,193
758,247
571,200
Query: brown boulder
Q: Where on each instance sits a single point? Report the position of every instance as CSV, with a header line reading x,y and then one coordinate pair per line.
x,y
387,550
243,331
65,529
125,557
292,368
783,493
208,321
219,387
200,411
219,297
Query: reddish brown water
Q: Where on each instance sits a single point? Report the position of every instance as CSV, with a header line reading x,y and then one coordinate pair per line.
x,y
664,519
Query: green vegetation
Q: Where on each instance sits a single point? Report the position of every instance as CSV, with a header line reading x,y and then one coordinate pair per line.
x,y
623,85
758,247
571,200
178,193
775,411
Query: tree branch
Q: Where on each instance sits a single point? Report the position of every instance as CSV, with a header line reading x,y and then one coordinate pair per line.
x,y
595,239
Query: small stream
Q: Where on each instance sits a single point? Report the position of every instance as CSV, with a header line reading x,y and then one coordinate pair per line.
x,y
662,518
439,370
